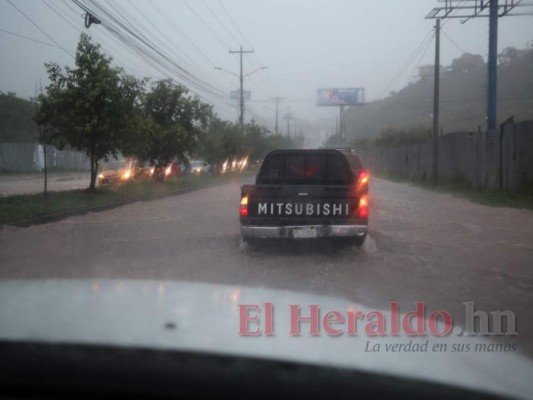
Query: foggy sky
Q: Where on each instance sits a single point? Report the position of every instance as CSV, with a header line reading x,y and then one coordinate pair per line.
x,y
306,44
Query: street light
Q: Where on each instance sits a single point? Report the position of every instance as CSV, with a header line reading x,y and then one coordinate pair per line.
x,y
241,78
255,70
225,70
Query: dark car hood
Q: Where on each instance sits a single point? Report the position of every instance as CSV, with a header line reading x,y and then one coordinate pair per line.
x,y
206,318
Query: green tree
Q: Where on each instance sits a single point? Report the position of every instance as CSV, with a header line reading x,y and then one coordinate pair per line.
x,y
16,124
43,115
257,142
170,125
91,105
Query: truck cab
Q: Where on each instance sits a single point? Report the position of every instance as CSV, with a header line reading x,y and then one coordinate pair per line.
x,y
307,194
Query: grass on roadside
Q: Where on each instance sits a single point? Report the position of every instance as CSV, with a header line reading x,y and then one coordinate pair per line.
x,y
19,209
514,199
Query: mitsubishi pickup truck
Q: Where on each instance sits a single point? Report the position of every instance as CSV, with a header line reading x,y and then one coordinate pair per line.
x,y
307,194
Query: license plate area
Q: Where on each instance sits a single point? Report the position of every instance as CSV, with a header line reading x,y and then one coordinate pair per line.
x,y
304,233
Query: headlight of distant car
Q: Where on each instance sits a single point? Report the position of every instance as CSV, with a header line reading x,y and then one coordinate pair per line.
x,y
101,176
152,171
168,170
127,174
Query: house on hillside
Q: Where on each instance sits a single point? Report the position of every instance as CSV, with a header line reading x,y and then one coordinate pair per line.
x,y
427,71
467,62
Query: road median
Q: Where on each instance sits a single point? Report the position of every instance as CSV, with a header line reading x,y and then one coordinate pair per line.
x,y
30,209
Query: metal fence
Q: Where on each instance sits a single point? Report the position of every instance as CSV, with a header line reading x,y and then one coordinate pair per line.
x,y
30,157
495,160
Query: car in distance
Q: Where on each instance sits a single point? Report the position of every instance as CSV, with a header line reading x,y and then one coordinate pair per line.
x,y
160,172
116,172
200,167
305,194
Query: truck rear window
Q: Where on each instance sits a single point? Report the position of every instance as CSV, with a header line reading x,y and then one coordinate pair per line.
x,y
298,168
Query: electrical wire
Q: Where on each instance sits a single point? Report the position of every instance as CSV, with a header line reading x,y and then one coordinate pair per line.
x,y
29,38
41,29
422,45
453,42
144,47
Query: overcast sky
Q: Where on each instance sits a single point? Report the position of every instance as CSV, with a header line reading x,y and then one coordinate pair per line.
x,y
306,44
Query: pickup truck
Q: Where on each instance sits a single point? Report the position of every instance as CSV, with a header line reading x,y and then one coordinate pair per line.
x,y
306,194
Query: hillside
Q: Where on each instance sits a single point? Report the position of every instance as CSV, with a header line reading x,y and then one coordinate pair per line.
x,y
463,101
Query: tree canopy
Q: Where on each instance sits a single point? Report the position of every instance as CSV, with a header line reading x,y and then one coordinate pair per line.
x,y
91,105
169,124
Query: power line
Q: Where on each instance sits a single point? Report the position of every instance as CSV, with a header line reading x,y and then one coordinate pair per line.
x,y
187,60
42,30
139,43
181,33
205,24
412,57
234,23
423,53
62,17
408,62
248,44
453,42
220,22
29,38
125,62
261,80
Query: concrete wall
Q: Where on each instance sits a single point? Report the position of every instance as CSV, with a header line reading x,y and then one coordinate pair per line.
x,y
472,157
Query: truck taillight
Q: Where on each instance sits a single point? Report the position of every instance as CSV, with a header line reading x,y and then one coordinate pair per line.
x,y
362,179
362,209
243,210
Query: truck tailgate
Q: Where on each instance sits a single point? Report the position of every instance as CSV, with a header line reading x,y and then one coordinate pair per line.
x,y
300,204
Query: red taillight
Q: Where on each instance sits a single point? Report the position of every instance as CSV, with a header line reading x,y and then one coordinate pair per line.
x,y
362,179
362,209
243,210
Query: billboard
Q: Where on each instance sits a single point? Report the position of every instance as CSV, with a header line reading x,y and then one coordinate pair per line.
x,y
236,94
341,97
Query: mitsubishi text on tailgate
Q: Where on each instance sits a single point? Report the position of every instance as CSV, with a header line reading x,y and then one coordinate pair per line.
x,y
305,194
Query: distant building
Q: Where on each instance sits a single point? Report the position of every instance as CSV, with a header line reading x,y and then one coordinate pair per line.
x,y
467,62
427,71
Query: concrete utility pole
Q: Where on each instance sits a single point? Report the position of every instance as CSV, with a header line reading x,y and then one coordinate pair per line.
x,y
277,99
436,89
241,78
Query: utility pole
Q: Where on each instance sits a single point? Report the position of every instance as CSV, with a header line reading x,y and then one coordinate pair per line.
x,y
436,89
277,99
241,78
492,65
341,124
469,9
288,117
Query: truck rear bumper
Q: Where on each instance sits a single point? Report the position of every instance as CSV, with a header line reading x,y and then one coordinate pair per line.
x,y
288,232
